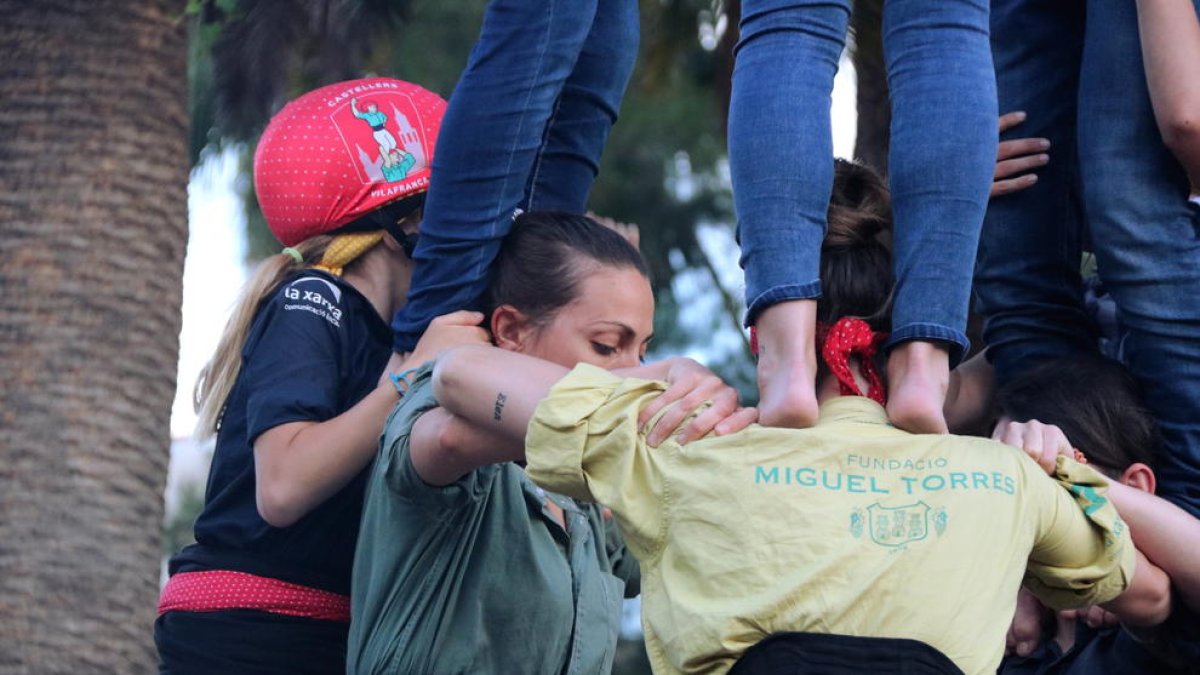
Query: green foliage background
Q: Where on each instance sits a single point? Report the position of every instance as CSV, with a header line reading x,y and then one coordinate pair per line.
x,y
662,168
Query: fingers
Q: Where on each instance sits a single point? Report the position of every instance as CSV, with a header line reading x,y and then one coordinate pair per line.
x,y
724,404
689,398
455,328
1098,617
449,330
1020,163
682,377
1094,616
632,234
464,317
1007,187
629,231
672,394
1017,157
1026,628
1018,147
694,390
740,419
1042,442
1010,120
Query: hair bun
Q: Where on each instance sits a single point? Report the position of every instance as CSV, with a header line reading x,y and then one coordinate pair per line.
x,y
860,210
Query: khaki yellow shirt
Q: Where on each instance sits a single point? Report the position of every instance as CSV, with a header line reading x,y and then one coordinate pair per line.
x,y
850,527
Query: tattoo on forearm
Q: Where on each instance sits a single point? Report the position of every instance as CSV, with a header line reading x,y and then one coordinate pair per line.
x,y
498,409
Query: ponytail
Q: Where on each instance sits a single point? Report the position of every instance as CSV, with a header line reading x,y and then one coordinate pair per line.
x,y
217,378
856,255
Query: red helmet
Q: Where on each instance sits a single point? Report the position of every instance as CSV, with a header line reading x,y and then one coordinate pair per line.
x,y
325,160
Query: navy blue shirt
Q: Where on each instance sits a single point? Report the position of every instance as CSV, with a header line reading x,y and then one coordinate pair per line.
x,y
315,349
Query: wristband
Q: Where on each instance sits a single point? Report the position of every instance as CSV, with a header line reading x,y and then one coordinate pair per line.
x,y
399,379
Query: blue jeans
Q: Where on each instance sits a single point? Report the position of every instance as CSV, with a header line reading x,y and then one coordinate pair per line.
x,y
1076,68
524,130
943,151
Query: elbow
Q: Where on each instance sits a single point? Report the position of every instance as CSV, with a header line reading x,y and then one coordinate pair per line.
x,y
440,452
1181,134
1156,603
277,505
450,372
448,439
1147,601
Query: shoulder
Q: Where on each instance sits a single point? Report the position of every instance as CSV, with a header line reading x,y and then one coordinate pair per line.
x,y
984,447
315,294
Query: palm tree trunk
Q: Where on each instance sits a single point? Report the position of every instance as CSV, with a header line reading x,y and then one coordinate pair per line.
x,y
93,225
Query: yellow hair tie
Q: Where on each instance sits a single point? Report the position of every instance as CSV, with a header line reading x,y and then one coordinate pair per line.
x,y
345,248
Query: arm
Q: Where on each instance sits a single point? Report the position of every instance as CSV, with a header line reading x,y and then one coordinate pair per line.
x,y
354,108
1147,600
298,465
491,394
1168,535
1170,36
1082,553
488,396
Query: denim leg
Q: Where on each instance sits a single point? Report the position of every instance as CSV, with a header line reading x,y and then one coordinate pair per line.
x,y
1147,239
780,146
491,135
943,154
586,111
1027,282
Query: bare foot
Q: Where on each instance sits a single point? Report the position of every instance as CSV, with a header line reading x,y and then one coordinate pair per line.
x,y
787,364
918,376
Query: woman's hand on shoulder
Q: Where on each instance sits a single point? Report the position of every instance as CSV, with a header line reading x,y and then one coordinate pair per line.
x,y
689,386
1042,442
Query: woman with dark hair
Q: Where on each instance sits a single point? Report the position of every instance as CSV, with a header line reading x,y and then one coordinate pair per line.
x,y
851,546
463,564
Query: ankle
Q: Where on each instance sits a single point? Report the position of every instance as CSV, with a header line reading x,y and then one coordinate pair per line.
x,y
916,357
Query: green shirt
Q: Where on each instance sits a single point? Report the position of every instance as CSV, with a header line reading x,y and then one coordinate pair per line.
x,y
851,527
478,576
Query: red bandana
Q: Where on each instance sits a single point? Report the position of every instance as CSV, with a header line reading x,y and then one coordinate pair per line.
x,y
852,337
847,337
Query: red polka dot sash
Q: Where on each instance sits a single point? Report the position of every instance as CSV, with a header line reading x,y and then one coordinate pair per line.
x,y
217,590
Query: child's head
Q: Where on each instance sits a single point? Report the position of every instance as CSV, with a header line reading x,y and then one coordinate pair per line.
x,y
1097,404
317,168
569,290
856,255
325,197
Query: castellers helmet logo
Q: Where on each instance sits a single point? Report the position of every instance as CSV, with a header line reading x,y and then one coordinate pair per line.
x,y
385,133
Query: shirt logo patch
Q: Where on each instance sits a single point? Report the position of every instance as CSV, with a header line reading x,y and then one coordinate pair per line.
x,y
312,300
896,526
